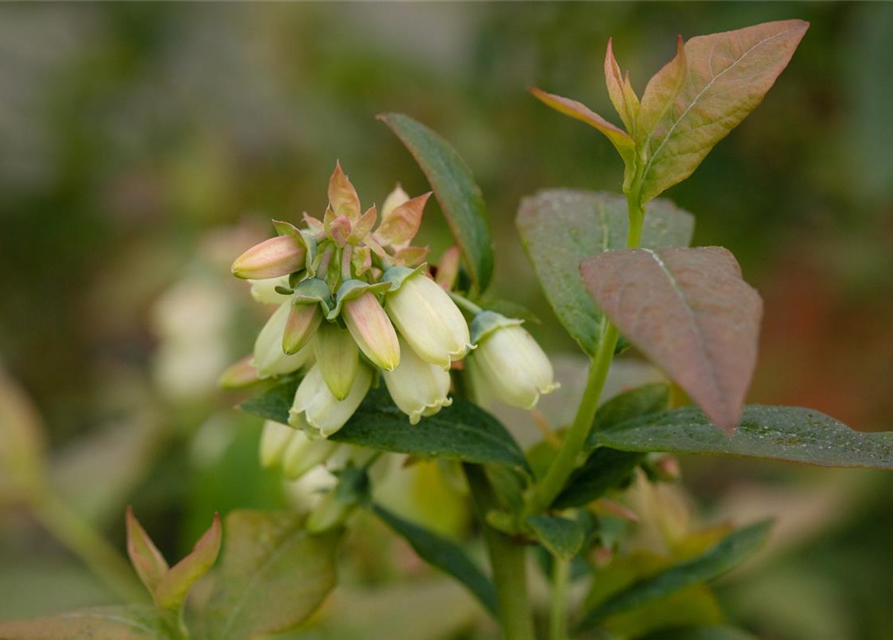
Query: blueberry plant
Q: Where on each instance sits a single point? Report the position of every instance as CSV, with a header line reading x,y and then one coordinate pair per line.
x,y
373,350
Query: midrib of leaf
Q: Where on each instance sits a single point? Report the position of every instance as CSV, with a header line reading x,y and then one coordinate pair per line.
x,y
133,624
237,609
694,320
700,93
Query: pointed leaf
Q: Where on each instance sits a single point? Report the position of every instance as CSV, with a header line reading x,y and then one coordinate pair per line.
x,y
174,586
150,565
445,555
131,622
726,77
273,575
724,556
343,197
606,468
621,92
401,225
621,140
561,227
561,536
361,228
689,312
793,434
660,94
462,431
460,198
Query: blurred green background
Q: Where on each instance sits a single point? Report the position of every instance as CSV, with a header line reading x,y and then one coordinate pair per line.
x,y
142,147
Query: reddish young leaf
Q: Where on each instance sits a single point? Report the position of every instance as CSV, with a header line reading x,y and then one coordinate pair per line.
x,y
690,312
150,565
399,225
621,91
171,591
618,137
726,75
342,196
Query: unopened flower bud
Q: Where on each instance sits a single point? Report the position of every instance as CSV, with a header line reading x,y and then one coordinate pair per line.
x,y
319,409
271,258
302,454
428,320
239,375
394,199
274,438
417,387
372,330
338,358
264,291
269,358
302,322
515,366
328,514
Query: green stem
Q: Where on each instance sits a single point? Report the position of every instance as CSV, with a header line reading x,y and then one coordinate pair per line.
x,y
507,560
557,613
95,551
464,303
566,460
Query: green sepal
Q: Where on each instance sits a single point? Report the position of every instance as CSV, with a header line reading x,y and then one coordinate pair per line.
x,y
313,291
398,275
351,289
486,322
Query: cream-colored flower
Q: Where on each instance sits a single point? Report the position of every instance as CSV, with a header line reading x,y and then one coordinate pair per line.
x,y
338,358
515,366
264,291
417,387
319,409
428,320
269,358
303,454
274,438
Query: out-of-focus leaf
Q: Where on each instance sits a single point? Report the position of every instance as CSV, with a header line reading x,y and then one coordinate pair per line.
x,y
462,431
721,632
793,434
21,441
561,227
690,312
172,589
606,468
132,622
727,554
445,555
273,576
726,76
147,560
561,536
459,196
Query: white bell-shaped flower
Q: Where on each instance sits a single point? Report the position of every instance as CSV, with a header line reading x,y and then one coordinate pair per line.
x,y
316,407
269,358
303,454
274,438
417,387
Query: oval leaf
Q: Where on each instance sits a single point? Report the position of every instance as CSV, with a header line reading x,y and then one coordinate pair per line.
x,y
690,312
459,196
273,576
561,536
462,431
792,434
561,227
721,558
726,76
132,622
445,555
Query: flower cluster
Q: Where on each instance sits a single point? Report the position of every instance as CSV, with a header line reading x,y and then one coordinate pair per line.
x,y
357,303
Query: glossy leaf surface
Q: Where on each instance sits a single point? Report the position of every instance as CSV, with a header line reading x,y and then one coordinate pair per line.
x,y
690,312
561,227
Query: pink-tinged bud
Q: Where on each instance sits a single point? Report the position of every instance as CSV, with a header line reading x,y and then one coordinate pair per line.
x,y
418,388
271,258
342,196
337,228
372,330
303,320
269,358
239,375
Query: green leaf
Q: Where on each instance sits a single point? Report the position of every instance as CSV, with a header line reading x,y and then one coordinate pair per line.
x,y
462,431
445,555
606,468
721,558
691,313
459,197
792,434
561,227
725,76
145,557
273,576
722,632
132,622
561,536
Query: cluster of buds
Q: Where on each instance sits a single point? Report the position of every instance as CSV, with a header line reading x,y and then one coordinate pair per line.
x,y
357,302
